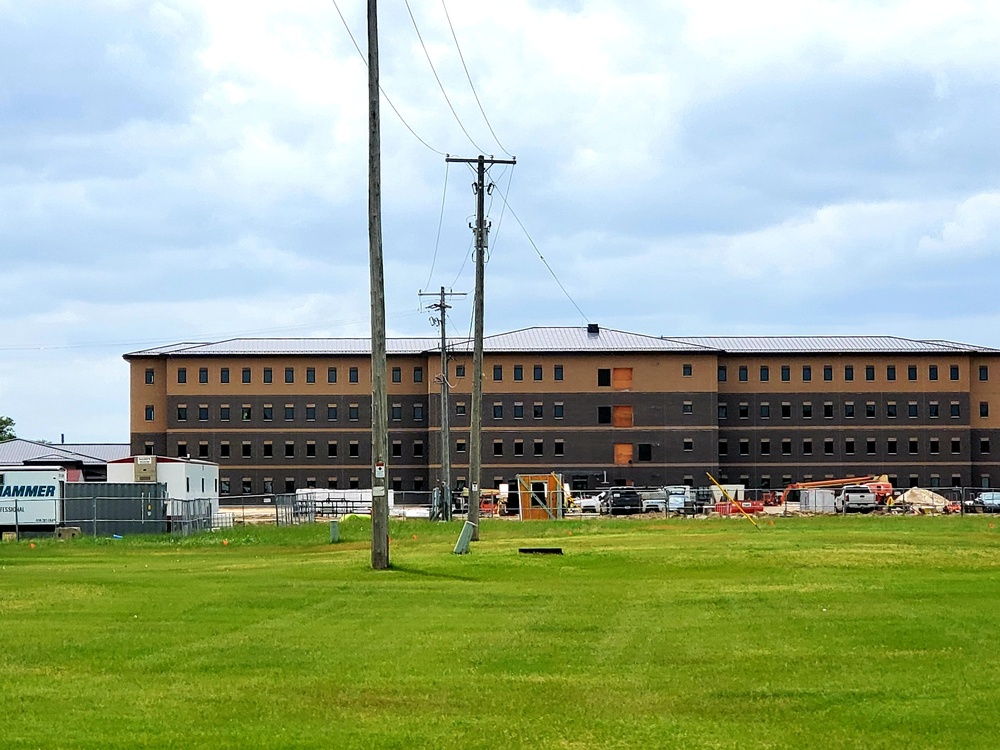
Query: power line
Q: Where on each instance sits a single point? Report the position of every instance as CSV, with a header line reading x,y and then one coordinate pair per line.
x,y
469,77
382,90
542,257
437,241
438,79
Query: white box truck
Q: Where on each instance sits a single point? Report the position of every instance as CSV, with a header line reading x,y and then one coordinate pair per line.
x,y
31,497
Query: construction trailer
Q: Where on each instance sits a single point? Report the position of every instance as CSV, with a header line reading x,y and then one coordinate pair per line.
x,y
31,497
186,478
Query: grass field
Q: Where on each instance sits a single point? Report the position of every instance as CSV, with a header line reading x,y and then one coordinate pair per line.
x,y
825,632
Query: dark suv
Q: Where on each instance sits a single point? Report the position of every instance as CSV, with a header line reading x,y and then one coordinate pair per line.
x,y
623,500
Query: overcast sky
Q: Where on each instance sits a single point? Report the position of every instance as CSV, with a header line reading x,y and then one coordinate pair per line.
x,y
185,170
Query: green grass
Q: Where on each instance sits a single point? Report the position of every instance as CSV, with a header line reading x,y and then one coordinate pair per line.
x,y
825,632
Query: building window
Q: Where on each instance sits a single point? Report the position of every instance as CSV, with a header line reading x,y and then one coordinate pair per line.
x,y
956,445
687,408
984,408
743,373
807,447
150,412
786,410
396,412
418,374
498,447
984,445
397,449
828,410
203,412
559,448
150,375
984,373
202,449
786,373
932,372
289,485
289,412
644,452
352,375
890,410
807,373
397,374
765,373
354,449
604,414
722,373
849,410
765,447
744,410
518,410
498,410
870,410
224,449
934,409
688,444
268,375
723,447
331,412
460,409
203,375
686,370
891,446
538,410
311,413
807,410
604,378
353,483
558,410
418,448
849,372
518,373
849,446
622,416
246,450
538,447
537,372
459,371
289,449
953,372
224,413
310,374
828,446
786,447
913,446
890,372
498,373
224,486
268,449
182,413
245,375
869,372
912,410
557,372
723,411
268,412
828,373
744,447
353,412
418,412
935,446
331,449
870,446
911,372
765,410
182,375
518,447
956,409
331,374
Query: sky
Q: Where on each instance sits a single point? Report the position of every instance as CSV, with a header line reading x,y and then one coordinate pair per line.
x,y
183,170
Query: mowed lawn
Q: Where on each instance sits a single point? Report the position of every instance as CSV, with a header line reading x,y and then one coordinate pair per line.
x,y
851,632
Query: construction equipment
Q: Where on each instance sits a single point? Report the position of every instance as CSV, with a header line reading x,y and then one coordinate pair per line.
x,y
878,485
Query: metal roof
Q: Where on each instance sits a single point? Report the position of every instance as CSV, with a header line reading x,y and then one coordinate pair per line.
x,y
827,345
19,450
572,339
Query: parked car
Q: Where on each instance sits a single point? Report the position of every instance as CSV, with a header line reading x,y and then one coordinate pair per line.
x,y
654,501
623,500
590,504
984,502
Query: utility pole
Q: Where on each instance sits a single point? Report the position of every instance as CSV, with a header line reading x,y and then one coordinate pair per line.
x,y
380,421
480,231
442,307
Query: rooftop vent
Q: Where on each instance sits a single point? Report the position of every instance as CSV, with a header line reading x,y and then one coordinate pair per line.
x,y
593,329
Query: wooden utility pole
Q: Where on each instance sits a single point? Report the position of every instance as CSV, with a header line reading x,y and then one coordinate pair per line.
x,y
445,484
480,231
380,421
